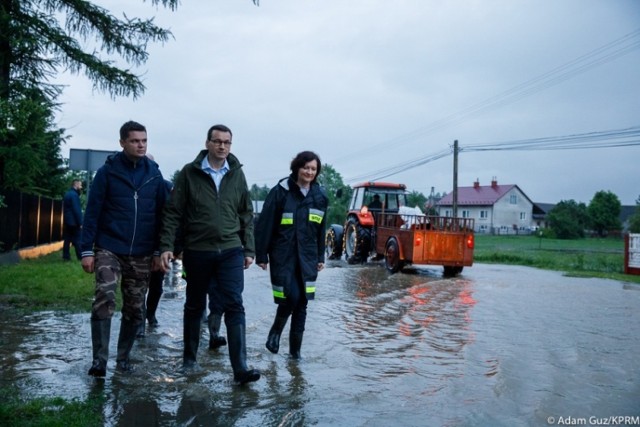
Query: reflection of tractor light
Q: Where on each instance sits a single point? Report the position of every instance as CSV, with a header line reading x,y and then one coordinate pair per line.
x,y
418,241
470,241
364,210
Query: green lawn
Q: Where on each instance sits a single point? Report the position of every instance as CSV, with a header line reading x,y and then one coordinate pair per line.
x,y
589,257
47,283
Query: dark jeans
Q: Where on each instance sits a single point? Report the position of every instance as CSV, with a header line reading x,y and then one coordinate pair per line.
x,y
215,303
295,305
71,236
155,293
223,273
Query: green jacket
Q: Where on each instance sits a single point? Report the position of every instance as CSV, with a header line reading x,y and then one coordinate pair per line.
x,y
211,219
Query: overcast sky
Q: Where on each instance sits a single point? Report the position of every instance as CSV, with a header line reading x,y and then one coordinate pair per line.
x,y
371,84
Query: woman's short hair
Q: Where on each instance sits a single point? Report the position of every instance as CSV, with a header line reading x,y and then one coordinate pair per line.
x,y
302,159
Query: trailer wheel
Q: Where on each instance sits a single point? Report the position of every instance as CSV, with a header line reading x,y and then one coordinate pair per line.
x,y
356,242
392,256
452,271
333,242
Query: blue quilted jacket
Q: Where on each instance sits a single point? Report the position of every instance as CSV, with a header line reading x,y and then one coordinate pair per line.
x,y
124,207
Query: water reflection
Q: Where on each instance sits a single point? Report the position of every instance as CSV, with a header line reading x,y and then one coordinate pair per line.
x,y
406,325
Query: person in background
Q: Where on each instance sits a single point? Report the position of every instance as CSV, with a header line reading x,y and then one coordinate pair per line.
x,y
214,320
290,238
375,204
212,204
119,241
72,220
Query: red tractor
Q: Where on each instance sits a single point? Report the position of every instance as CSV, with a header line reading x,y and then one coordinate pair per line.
x,y
380,225
355,239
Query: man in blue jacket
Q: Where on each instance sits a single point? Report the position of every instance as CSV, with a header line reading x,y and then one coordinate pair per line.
x,y
119,242
72,220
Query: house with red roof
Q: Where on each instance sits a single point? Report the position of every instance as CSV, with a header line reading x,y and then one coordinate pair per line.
x,y
496,208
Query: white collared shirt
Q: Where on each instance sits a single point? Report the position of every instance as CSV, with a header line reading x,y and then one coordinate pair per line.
x,y
216,175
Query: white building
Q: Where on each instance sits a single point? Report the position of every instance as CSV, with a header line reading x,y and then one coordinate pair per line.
x,y
496,209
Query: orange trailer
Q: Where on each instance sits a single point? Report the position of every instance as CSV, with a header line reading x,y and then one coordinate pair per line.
x,y
432,240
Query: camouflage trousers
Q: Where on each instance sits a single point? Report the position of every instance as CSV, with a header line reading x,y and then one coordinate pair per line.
x,y
132,272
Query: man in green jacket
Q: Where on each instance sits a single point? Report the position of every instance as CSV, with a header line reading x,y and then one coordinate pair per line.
x,y
211,204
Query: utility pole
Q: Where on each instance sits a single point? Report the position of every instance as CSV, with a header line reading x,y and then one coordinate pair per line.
x,y
455,178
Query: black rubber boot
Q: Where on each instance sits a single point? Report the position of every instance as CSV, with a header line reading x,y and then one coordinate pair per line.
x,y
153,297
100,335
273,340
128,331
295,343
215,340
238,355
191,340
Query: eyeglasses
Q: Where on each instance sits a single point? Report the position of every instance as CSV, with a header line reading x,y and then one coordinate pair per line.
x,y
219,142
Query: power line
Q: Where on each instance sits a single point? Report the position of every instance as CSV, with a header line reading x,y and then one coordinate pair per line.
x,y
606,53
602,139
625,137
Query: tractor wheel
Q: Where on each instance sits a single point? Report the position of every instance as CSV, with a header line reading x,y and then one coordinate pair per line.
x,y
333,242
357,241
451,271
392,256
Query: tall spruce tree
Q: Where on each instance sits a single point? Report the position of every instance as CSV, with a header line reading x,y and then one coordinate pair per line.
x,y
39,39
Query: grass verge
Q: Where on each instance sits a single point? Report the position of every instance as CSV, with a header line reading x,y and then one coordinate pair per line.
x,y
49,412
590,257
46,283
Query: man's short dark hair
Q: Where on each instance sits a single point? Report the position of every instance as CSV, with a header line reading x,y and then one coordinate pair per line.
x,y
302,159
130,126
219,128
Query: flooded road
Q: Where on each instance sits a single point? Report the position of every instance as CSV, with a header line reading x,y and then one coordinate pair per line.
x,y
496,346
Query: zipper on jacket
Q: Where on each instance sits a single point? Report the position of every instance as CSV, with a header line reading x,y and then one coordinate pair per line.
x,y
135,210
135,220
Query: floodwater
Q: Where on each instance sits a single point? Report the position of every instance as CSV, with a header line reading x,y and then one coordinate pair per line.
x,y
496,346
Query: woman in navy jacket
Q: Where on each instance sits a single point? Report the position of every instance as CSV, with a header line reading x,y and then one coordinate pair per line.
x,y
290,236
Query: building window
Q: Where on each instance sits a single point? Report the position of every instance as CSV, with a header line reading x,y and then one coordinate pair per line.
x,y
466,214
447,213
523,216
513,199
484,214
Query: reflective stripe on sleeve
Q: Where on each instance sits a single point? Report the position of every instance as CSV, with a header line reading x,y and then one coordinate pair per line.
x,y
278,291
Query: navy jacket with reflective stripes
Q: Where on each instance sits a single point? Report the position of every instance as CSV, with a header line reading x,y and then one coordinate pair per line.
x,y
290,234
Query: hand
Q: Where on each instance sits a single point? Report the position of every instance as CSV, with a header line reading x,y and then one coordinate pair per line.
x,y
263,265
88,263
165,261
156,264
247,262
320,266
